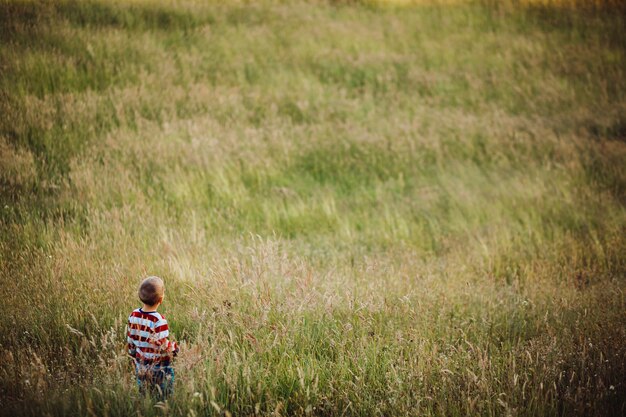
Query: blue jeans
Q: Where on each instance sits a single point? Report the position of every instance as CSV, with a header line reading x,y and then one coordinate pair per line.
x,y
156,379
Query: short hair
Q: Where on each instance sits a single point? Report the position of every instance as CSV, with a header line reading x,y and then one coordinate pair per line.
x,y
151,290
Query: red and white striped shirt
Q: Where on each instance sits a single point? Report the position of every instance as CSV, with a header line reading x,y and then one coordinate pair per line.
x,y
147,334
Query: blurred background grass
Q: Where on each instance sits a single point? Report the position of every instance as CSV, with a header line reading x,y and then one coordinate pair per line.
x,y
359,208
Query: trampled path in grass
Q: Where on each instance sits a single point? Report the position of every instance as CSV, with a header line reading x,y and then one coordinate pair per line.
x,y
358,208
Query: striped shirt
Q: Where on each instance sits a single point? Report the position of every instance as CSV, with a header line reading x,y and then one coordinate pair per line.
x,y
147,334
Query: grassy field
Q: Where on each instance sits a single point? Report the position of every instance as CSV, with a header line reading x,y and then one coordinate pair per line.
x,y
358,208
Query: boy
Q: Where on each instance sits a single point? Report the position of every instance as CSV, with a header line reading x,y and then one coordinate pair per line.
x,y
148,344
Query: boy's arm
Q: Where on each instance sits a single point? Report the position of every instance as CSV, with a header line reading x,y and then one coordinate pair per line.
x,y
130,343
161,334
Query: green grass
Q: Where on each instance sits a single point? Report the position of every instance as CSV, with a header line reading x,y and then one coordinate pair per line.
x,y
358,209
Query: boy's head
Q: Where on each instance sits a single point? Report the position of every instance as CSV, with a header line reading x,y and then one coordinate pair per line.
x,y
151,291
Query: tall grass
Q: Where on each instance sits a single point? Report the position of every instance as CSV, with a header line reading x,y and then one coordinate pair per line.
x,y
358,208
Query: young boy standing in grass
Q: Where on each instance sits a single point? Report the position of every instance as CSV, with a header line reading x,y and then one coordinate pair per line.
x,y
148,344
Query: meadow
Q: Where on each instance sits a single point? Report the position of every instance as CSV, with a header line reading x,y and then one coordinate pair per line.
x,y
359,208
